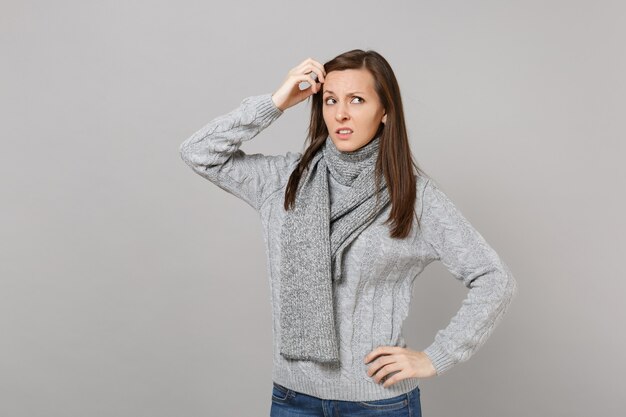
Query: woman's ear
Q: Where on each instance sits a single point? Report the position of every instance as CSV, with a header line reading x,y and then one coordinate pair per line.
x,y
385,118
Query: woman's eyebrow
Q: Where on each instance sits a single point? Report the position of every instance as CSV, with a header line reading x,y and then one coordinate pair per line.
x,y
353,92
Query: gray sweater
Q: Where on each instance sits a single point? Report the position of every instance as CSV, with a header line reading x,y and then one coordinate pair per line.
x,y
373,296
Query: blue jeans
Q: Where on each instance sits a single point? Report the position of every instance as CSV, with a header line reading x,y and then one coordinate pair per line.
x,y
288,403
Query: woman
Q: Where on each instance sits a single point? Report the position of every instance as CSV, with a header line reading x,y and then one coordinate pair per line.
x,y
345,244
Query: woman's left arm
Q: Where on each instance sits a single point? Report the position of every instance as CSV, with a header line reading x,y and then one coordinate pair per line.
x,y
467,255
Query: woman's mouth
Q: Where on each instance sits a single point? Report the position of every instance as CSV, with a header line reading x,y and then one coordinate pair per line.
x,y
344,133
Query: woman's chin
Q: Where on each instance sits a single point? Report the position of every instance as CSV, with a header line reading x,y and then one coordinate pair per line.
x,y
347,145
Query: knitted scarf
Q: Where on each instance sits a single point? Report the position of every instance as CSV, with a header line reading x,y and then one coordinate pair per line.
x,y
314,236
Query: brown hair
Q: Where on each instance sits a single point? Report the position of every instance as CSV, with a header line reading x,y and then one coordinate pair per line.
x,y
394,161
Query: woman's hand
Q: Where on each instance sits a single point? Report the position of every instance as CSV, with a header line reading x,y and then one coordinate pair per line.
x,y
289,93
409,363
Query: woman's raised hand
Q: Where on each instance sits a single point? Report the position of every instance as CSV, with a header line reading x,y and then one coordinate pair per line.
x,y
289,93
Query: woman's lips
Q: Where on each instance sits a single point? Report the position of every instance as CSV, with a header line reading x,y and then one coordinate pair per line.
x,y
344,135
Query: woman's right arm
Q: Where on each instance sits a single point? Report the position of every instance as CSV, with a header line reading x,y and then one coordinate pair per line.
x,y
213,151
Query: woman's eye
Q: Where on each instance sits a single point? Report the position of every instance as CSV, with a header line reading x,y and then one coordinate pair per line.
x,y
334,99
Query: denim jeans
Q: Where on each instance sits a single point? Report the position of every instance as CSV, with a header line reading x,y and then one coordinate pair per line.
x,y
288,403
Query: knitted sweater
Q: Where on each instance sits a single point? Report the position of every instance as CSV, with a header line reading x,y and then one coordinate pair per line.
x,y
373,296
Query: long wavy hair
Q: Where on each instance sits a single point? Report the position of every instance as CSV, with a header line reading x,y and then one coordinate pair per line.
x,y
395,160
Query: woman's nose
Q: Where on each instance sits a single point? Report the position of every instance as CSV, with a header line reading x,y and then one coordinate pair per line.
x,y
341,114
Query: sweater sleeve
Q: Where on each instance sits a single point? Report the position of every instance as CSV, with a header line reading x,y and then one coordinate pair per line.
x,y
466,254
213,152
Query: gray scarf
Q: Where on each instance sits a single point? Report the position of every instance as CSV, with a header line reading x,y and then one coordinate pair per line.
x,y
313,238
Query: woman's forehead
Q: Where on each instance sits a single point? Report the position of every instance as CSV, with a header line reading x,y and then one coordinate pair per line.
x,y
348,82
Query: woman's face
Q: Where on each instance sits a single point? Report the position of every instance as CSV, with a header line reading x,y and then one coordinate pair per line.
x,y
350,101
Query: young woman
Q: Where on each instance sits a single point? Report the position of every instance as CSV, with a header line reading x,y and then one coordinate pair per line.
x,y
348,225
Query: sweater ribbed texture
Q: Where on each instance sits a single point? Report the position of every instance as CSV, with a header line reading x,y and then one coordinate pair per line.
x,y
378,273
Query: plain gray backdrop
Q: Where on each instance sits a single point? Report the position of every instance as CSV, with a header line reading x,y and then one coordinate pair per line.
x,y
131,286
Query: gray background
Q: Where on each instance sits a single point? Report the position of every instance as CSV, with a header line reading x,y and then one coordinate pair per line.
x,y
131,286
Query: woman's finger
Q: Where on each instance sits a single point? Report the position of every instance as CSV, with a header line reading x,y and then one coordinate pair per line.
x,y
319,70
302,67
310,64
398,376
308,78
